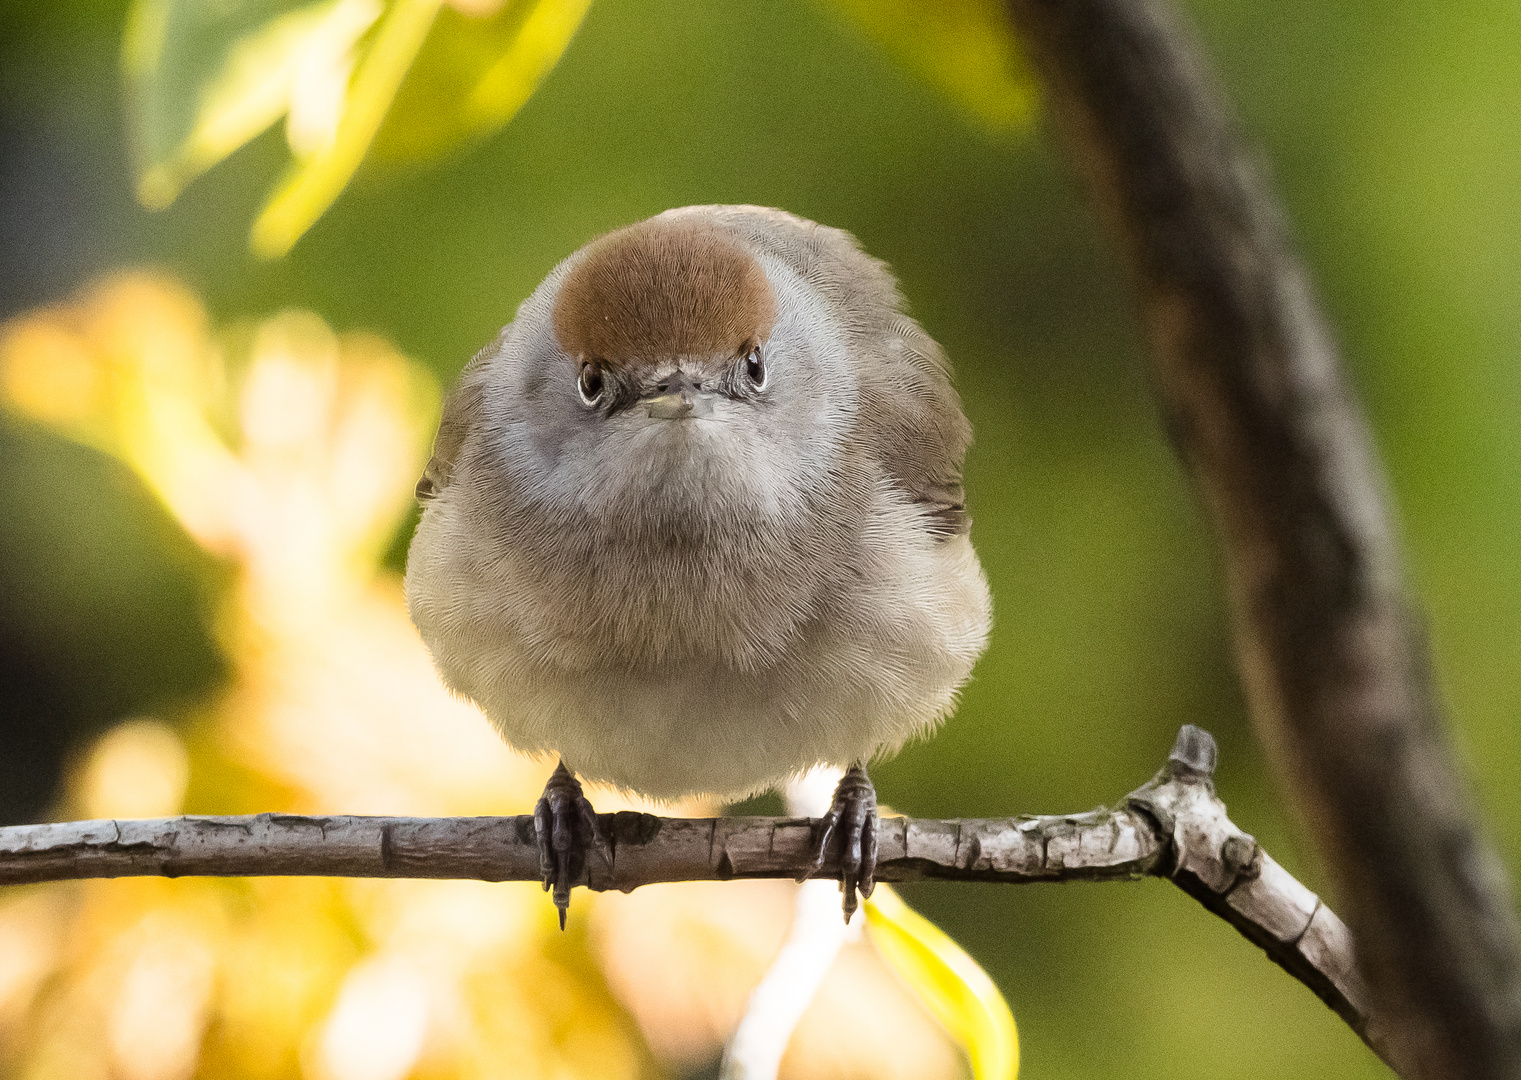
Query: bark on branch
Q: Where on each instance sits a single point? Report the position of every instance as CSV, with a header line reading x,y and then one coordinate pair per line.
x,y
1332,651
1173,827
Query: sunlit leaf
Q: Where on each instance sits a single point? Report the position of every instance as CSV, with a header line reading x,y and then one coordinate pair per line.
x,y
965,48
207,76
318,179
204,79
953,988
474,72
510,52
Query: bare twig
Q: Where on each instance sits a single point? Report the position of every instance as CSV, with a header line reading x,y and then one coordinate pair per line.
x,y
1172,827
1333,654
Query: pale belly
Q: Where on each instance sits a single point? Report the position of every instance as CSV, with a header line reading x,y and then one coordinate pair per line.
x,y
878,663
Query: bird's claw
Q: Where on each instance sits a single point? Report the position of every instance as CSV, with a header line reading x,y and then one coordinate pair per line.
x,y
854,815
566,827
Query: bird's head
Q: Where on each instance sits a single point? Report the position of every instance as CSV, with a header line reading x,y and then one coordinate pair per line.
x,y
673,361
665,319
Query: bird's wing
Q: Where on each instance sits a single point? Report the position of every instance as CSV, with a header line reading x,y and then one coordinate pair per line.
x,y
911,415
462,409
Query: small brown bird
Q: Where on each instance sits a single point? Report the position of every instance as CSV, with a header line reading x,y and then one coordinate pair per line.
x,y
694,522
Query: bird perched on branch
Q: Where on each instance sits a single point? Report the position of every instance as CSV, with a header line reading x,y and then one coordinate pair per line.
x,y
694,522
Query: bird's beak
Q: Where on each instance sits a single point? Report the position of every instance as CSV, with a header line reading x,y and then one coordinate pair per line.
x,y
688,405
679,398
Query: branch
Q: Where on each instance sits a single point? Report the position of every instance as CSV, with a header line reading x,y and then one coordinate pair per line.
x,y
1333,653
1173,827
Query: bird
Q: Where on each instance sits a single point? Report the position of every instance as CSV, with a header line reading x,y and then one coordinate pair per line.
x,y
694,522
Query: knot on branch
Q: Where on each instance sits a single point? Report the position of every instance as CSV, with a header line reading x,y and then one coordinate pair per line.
x,y
1194,751
1204,845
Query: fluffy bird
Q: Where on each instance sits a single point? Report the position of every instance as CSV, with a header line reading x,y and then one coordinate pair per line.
x,y
694,522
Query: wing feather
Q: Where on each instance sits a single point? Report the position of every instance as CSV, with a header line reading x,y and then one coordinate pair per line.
x,y
911,418
462,410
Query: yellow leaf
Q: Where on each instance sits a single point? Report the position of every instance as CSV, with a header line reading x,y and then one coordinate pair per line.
x,y
352,76
950,984
964,48
318,179
544,35
536,36
475,72
202,86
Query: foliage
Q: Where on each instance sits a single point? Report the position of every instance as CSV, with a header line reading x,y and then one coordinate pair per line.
x,y
411,79
964,48
205,78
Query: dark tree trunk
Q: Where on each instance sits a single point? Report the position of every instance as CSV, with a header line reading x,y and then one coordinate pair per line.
x,y
1331,649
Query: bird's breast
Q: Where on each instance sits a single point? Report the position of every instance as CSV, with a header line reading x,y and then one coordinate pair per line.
x,y
646,593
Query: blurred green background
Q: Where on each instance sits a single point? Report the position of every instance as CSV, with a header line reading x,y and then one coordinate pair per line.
x,y
1394,132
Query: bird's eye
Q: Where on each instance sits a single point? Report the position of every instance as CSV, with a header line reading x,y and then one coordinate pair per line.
x,y
590,383
755,369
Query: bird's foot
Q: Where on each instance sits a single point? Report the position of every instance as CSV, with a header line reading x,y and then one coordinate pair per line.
x,y
567,828
854,817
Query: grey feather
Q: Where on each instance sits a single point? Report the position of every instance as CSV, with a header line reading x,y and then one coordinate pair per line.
x,y
911,416
461,415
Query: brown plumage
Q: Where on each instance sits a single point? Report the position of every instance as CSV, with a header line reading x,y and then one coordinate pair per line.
x,y
663,288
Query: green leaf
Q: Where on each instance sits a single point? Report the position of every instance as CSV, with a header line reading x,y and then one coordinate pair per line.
x,y
950,984
204,78
964,48
473,75
317,180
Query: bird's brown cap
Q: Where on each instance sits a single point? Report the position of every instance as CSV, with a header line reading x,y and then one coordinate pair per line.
x,y
663,288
